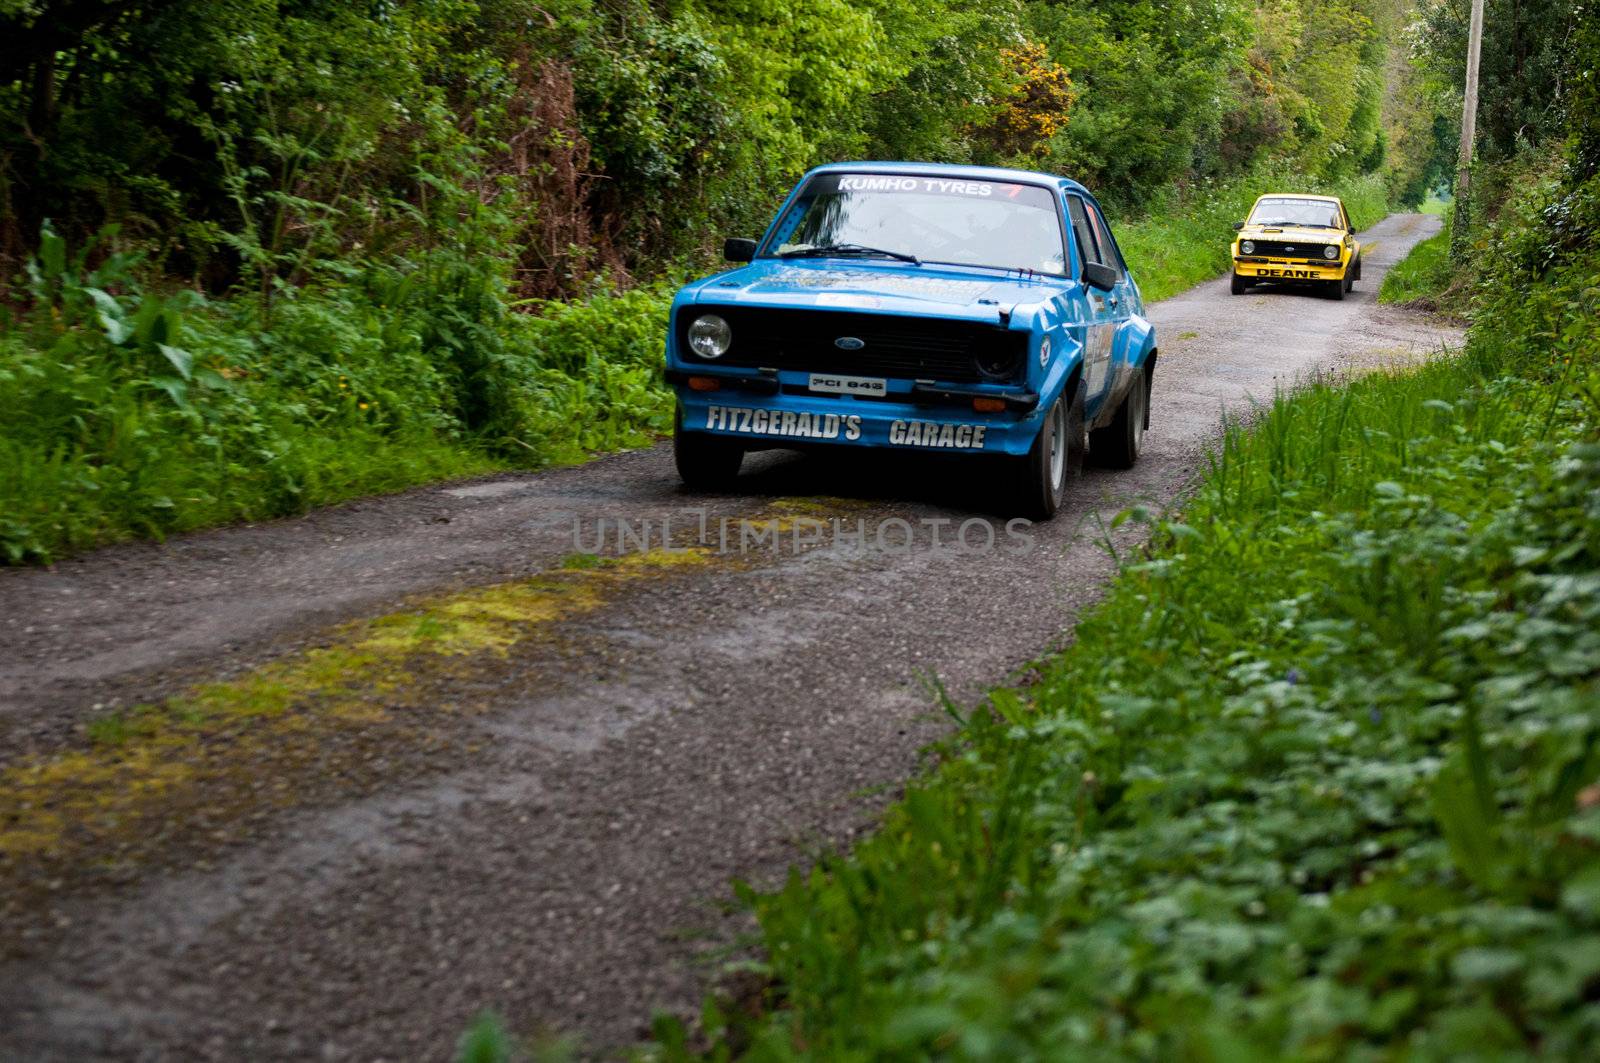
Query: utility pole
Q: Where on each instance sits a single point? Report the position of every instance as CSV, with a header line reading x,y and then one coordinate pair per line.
x,y
1469,125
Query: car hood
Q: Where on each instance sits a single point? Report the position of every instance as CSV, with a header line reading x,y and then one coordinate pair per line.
x,y
1291,233
897,288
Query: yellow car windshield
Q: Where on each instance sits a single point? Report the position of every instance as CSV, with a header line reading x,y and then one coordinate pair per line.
x,y
1287,210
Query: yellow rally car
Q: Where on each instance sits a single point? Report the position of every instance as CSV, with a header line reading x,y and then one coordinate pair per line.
x,y
1296,239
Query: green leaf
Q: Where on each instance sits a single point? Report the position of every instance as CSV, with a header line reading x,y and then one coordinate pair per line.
x,y
176,389
1581,894
1486,965
110,314
181,359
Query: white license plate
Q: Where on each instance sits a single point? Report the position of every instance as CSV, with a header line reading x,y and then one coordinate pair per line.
x,y
875,386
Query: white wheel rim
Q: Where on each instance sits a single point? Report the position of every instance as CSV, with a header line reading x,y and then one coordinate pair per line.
x,y
1058,443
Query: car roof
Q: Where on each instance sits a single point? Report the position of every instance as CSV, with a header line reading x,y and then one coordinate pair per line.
x,y
1296,195
982,173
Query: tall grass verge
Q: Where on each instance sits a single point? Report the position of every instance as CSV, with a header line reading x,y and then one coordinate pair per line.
x,y
131,412
1424,277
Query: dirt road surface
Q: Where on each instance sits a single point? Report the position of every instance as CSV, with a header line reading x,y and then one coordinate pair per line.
x,y
557,841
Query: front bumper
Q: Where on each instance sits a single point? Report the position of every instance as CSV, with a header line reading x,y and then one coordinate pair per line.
x,y
1269,269
775,411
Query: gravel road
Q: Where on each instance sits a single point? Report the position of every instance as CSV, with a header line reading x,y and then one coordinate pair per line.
x,y
562,852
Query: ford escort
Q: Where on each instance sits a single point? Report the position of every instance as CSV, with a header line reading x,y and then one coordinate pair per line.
x,y
1297,240
919,307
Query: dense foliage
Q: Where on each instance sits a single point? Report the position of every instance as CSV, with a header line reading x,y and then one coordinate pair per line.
x,y
1527,70
1319,779
255,139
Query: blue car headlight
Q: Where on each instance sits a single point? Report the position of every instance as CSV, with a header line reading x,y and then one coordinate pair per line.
x,y
710,336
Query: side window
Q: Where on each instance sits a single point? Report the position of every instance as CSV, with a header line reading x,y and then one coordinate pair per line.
x,y
1108,247
1082,230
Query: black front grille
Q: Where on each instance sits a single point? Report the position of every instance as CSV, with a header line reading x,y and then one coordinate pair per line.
x,y
918,348
1288,249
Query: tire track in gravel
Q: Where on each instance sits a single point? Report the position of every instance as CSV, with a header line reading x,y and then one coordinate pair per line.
x,y
571,871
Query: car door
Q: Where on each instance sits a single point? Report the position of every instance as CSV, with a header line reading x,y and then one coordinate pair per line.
x,y
1101,329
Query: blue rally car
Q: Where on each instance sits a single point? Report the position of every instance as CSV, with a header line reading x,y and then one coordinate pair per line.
x,y
935,308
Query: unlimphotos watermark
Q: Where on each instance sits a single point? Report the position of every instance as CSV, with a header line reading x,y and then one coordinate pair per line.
x,y
691,528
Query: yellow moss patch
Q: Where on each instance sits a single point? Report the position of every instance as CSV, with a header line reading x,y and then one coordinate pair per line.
x,y
124,786
817,505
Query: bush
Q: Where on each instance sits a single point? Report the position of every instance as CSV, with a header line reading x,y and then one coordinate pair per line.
x,y
129,412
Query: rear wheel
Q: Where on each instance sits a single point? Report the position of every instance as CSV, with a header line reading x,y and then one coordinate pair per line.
x,y
705,461
1056,456
1239,285
1117,445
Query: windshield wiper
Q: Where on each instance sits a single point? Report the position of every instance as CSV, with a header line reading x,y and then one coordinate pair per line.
x,y
850,249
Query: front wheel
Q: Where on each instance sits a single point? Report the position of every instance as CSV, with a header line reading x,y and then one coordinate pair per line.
x,y
1118,444
1238,286
1056,455
1335,289
705,461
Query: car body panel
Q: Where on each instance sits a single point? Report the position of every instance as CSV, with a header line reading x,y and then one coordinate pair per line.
x,y
1293,253
1063,326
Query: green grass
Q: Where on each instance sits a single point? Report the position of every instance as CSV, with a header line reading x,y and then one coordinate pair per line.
x,y
1319,779
1187,239
1424,276
135,413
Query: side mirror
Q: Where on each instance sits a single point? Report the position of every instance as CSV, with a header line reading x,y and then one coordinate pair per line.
x,y
738,249
1099,275
1238,225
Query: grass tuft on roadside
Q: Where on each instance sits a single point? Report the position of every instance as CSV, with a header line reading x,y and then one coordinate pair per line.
x,y
1425,278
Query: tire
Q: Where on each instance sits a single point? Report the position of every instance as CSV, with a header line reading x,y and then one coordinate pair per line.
x,y
1334,289
1117,445
1238,286
705,461
1349,282
1056,456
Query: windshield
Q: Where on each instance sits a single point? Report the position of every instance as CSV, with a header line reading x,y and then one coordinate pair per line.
x,y
1284,210
949,220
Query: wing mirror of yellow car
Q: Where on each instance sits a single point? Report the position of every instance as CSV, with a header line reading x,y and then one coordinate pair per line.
x,y
1238,225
